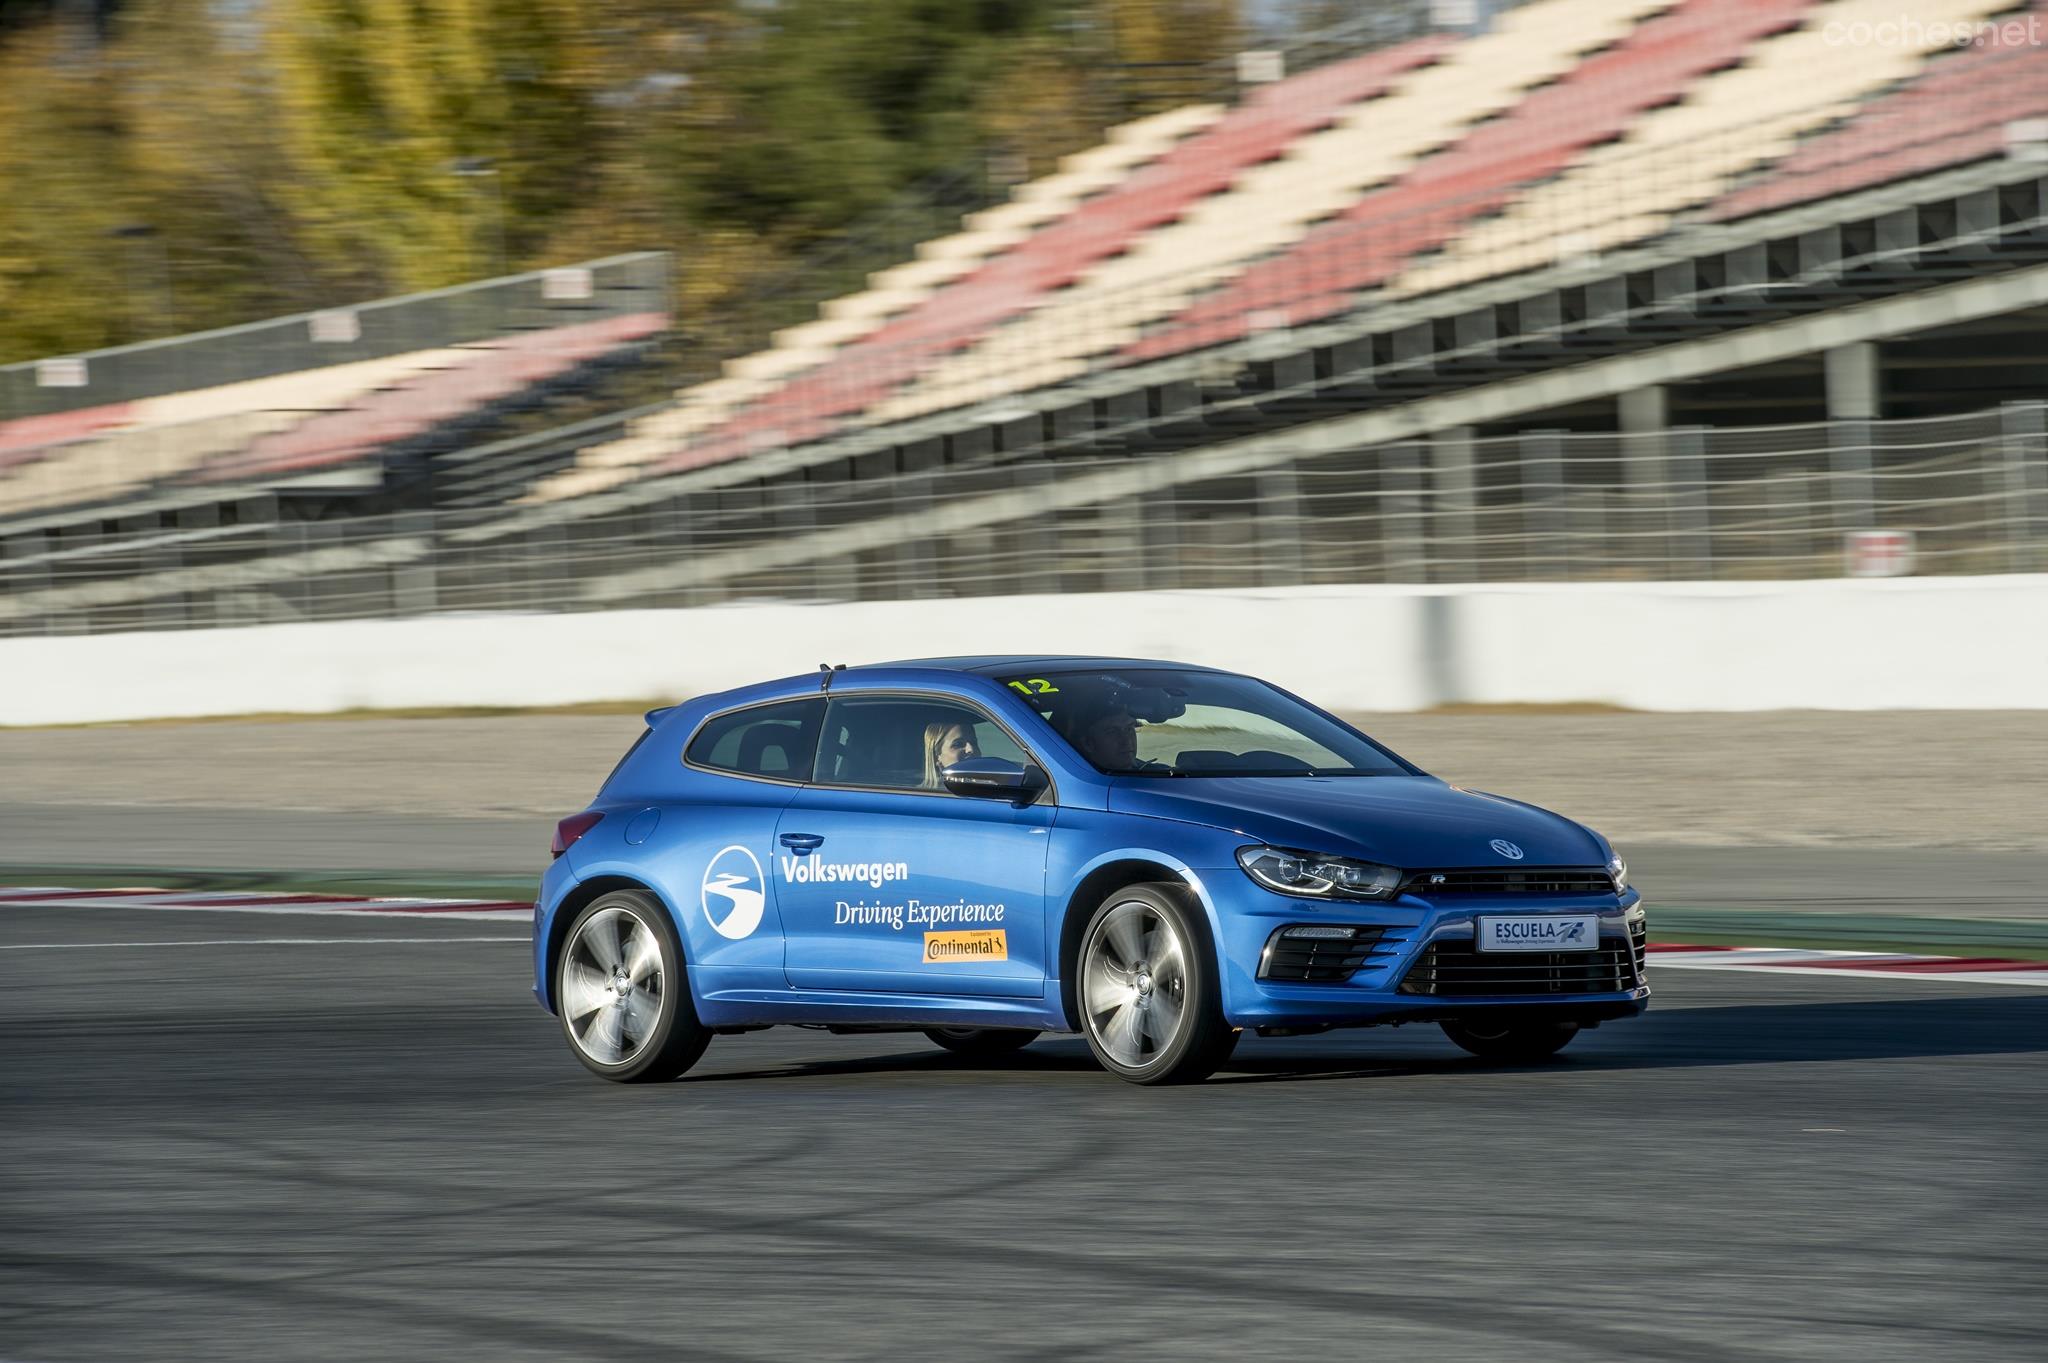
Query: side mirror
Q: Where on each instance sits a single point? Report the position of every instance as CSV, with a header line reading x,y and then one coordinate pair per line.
x,y
993,778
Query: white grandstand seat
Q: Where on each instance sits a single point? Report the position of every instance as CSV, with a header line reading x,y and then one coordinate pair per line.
x,y
1688,154
1272,205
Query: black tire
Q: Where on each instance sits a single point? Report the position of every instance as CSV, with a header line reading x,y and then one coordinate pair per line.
x,y
658,1035
1521,1041
1149,1046
981,1041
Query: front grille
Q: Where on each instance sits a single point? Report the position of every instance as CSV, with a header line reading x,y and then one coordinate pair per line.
x,y
1457,969
1317,960
1533,880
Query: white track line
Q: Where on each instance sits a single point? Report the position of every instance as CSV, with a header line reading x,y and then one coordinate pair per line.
x,y
256,942
1838,965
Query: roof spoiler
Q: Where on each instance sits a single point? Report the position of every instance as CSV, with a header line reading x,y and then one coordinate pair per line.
x,y
653,717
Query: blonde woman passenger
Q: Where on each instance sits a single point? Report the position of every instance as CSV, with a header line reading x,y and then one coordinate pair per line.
x,y
946,742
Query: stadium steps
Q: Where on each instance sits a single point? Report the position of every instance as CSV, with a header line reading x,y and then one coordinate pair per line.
x,y
1206,164
1371,240
1703,280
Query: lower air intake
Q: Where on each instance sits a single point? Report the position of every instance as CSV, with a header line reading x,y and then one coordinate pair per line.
x,y
1456,970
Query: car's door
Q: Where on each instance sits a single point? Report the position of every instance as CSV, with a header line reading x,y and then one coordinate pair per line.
x,y
717,850
888,885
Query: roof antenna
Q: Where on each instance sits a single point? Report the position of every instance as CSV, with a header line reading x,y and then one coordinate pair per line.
x,y
825,681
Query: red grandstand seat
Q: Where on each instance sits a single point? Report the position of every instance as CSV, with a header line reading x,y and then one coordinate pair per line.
x,y
1378,234
25,438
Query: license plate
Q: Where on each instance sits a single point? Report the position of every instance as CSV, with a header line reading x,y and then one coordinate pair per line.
x,y
1551,932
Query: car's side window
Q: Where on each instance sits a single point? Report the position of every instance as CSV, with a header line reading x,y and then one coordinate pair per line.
x,y
898,742
778,741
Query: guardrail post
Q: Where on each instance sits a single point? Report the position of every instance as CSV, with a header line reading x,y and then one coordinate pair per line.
x,y
913,494
1693,546
1159,537
1541,456
2024,443
1852,390
1456,550
679,528
414,588
1038,531
166,609
18,580
796,514
288,600
1278,511
1404,547
1644,415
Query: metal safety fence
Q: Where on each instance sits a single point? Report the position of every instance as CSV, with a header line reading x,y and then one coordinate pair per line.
x,y
464,314
1949,495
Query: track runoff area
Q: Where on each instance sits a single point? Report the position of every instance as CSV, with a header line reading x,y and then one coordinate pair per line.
x,y
295,1126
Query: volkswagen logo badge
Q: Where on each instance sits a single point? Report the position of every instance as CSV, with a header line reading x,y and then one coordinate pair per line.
x,y
1506,849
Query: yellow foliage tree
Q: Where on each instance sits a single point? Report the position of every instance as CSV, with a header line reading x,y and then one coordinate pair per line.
x,y
63,196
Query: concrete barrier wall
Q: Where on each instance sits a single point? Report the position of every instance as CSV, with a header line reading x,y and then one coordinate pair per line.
x,y
1909,643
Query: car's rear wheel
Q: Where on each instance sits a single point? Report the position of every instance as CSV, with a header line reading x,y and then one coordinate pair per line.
x,y
621,993
981,1040
1518,1041
1148,996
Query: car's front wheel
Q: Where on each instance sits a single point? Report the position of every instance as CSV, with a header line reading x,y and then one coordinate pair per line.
x,y
1514,1041
621,994
1148,995
981,1041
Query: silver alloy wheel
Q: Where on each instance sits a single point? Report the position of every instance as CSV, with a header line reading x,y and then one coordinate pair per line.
x,y
612,984
1135,984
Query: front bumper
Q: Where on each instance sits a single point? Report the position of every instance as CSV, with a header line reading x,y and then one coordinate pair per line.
x,y
1420,964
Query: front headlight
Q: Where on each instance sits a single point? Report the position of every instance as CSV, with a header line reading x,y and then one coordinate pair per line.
x,y
1314,876
1618,868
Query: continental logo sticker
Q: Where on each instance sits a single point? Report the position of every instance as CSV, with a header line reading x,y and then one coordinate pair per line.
x,y
948,948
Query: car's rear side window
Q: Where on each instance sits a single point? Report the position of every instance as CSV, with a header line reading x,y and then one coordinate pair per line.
x,y
778,741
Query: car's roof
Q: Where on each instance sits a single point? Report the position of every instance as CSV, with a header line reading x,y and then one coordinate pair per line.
x,y
993,664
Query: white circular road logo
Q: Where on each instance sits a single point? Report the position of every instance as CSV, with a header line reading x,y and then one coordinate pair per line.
x,y
734,881
1506,849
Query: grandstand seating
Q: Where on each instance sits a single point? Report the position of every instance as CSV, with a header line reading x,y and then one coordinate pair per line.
x,y
1568,129
28,438
1276,205
287,424
1685,156
1571,127
895,290
103,451
483,374
1373,238
1206,164
1957,111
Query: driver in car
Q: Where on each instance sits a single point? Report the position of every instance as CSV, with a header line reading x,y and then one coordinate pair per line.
x,y
1101,726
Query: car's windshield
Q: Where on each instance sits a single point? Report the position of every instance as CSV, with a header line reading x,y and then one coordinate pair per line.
x,y
1164,722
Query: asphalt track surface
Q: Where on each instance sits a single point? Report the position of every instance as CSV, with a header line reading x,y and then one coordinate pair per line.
x,y
1859,881
265,1137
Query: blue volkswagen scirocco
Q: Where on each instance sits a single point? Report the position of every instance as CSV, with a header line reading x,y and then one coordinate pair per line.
x,y
1154,855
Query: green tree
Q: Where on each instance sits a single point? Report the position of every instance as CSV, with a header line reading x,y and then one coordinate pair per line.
x,y
62,154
